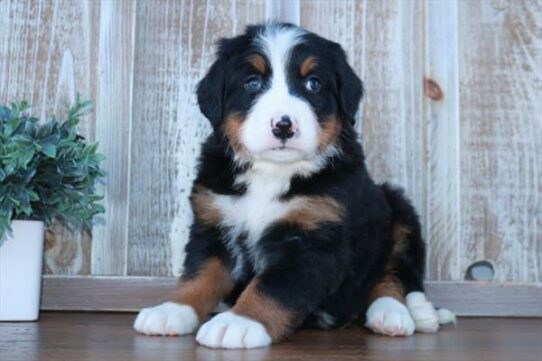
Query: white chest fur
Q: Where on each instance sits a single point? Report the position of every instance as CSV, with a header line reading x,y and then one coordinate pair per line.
x,y
259,207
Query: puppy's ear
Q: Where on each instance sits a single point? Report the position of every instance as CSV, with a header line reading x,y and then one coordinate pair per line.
x,y
350,88
211,92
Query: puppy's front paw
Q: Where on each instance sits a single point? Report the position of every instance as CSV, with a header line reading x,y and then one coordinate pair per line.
x,y
389,317
228,330
169,319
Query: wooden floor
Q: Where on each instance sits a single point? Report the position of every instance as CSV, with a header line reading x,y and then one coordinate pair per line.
x,y
109,337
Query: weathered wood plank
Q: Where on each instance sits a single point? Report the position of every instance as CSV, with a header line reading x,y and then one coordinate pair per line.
x,y
470,161
284,10
133,293
175,47
104,293
47,53
441,118
384,42
500,58
113,127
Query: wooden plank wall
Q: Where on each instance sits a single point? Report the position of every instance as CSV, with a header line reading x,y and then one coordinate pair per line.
x,y
501,135
48,50
452,113
139,63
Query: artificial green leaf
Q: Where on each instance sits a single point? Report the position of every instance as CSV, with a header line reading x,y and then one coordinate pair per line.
x,y
99,208
47,170
49,150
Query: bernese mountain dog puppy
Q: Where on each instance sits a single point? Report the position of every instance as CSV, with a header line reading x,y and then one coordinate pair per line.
x,y
289,229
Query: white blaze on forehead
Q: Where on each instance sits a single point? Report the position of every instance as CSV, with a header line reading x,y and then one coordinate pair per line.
x,y
276,43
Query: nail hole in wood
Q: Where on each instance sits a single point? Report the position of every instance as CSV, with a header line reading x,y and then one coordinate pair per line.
x,y
432,90
480,271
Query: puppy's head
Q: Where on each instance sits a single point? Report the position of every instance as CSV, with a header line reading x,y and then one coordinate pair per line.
x,y
280,93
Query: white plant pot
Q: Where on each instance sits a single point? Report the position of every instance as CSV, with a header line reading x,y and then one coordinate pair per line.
x,y
21,256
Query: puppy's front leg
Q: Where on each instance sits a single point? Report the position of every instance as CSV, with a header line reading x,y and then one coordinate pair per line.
x,y
196,297
256,320
300,272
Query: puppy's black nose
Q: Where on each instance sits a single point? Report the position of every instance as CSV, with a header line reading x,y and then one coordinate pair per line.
x,y
283,128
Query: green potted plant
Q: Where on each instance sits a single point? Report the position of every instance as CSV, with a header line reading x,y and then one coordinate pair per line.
x,y
47,170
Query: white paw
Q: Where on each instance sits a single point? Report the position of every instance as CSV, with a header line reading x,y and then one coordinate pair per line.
x,y
228,330
389,317
422,311
166,319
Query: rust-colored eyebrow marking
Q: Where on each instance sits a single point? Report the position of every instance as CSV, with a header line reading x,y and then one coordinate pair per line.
x,y
307,66
258,62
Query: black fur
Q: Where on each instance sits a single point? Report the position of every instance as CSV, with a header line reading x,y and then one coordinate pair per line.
x,y
410,264
331,269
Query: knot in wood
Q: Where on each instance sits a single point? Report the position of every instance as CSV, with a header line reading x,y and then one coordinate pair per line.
x,y
432,90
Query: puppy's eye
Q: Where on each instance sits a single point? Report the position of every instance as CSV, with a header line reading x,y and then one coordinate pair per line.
x,y
313,85
254,84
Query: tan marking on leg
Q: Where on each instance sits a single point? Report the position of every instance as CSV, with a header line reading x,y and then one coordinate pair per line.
x,y
311,211
307,66
203,206
258,62
390,285
329,132
252,304
205,290
399,236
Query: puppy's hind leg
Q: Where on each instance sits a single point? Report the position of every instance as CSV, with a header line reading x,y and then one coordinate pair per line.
x,y
387,313
426,317
407,260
